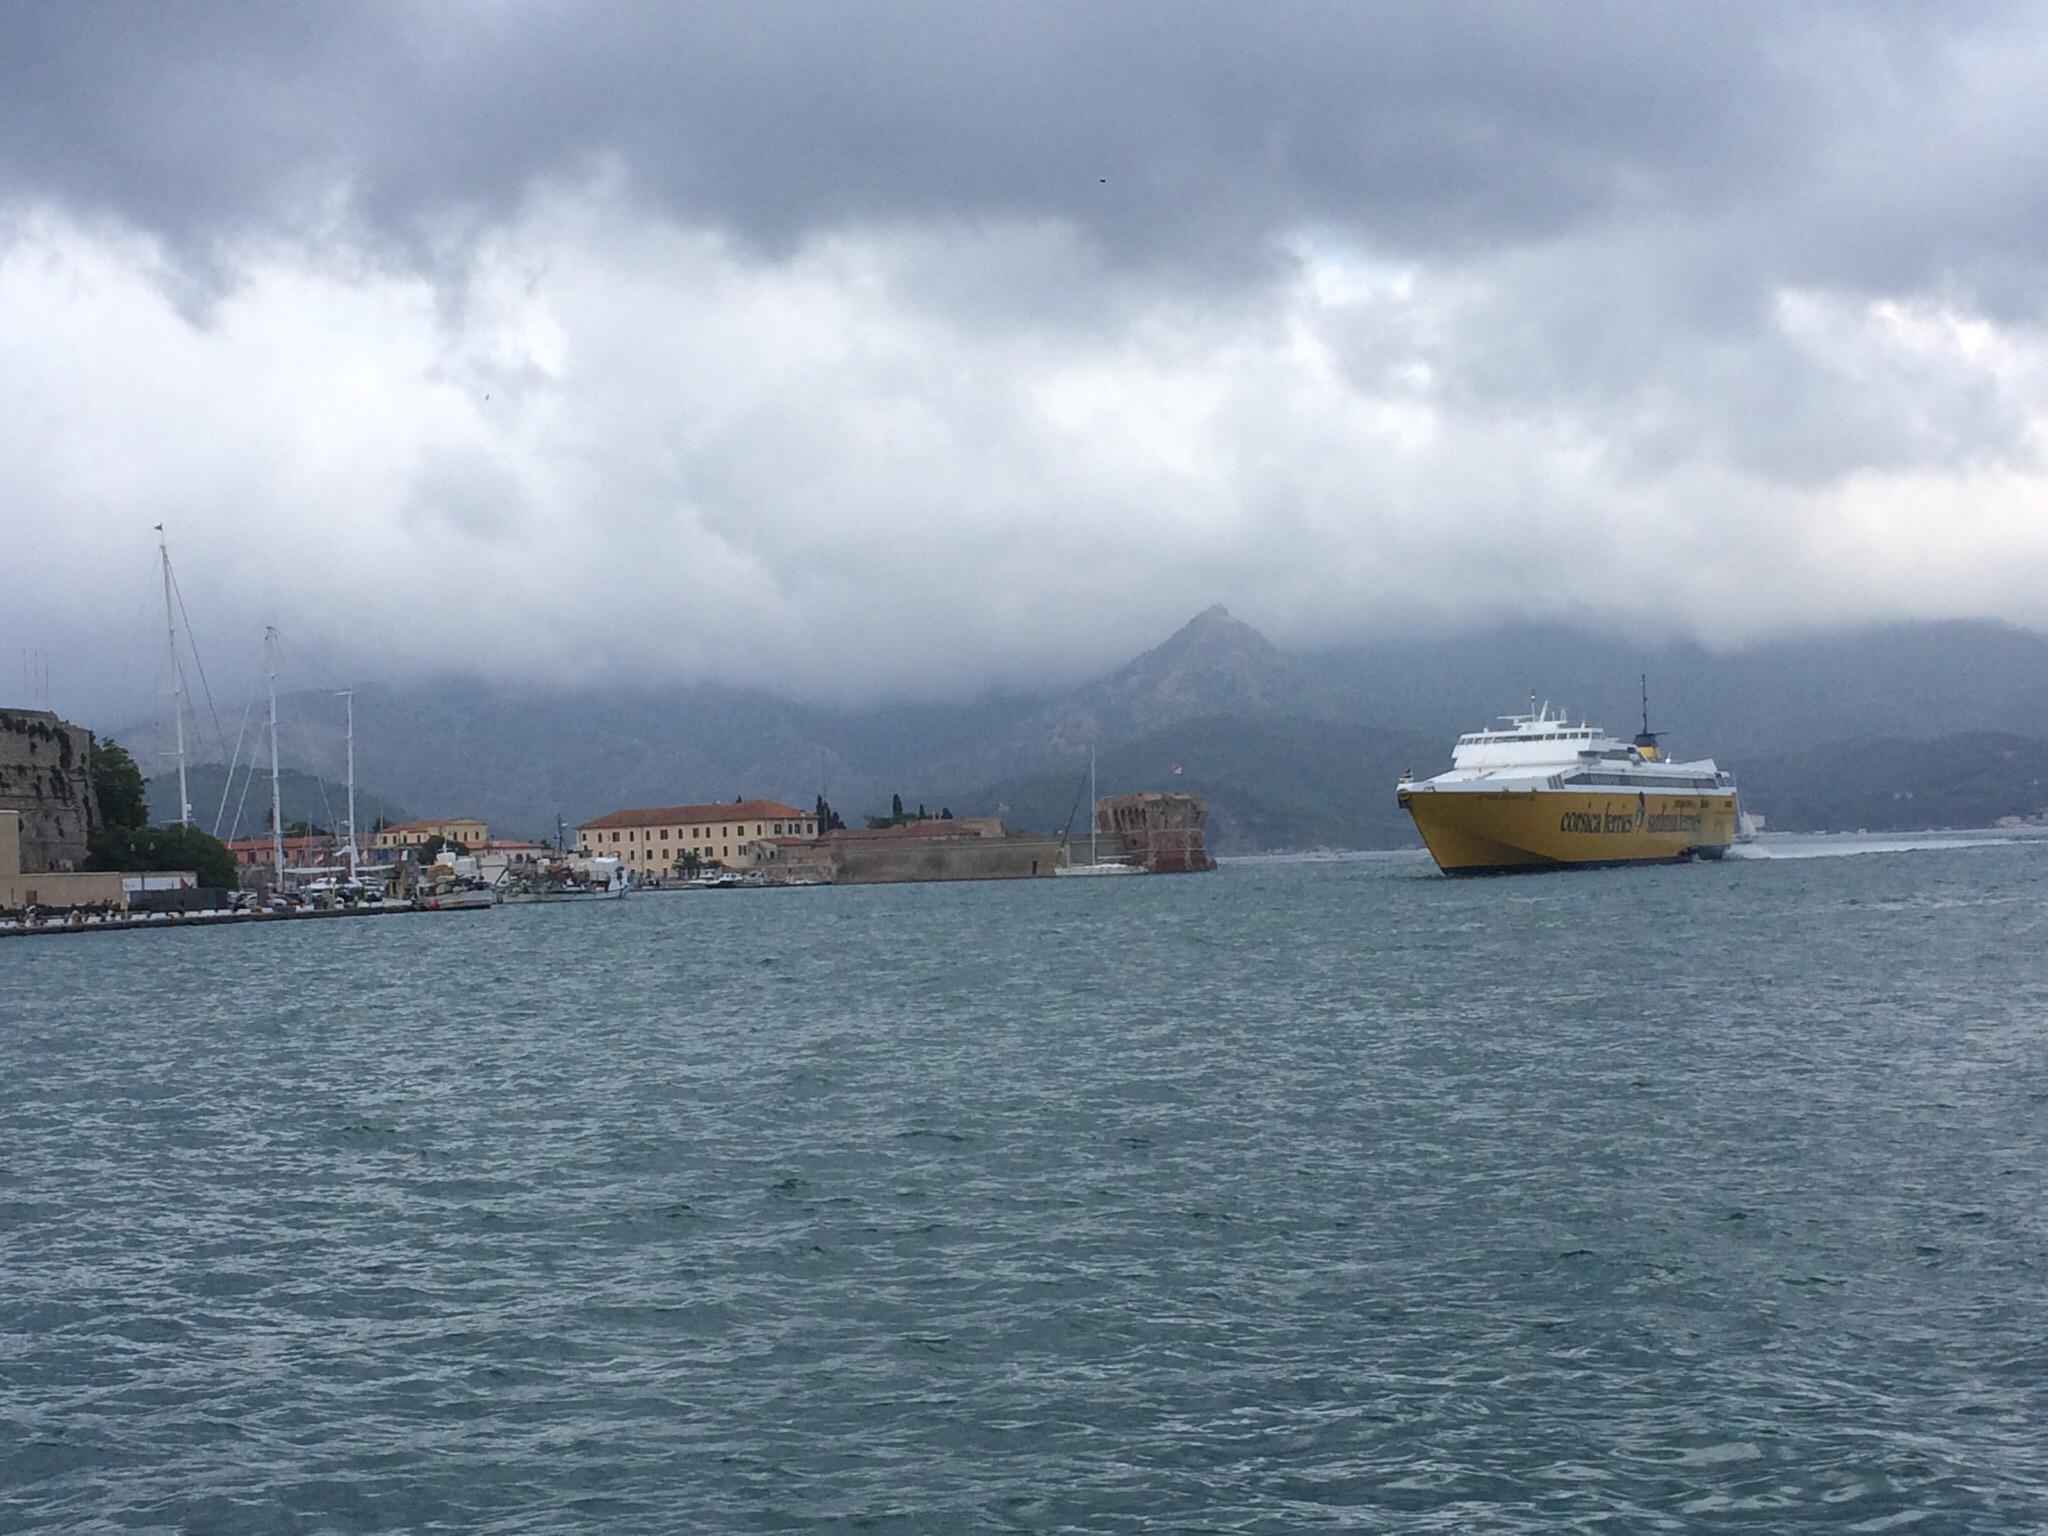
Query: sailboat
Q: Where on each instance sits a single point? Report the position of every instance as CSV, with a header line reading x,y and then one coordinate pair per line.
x,y
1096,865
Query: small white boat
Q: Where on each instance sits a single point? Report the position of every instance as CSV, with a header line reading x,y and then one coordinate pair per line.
x,y
1106,867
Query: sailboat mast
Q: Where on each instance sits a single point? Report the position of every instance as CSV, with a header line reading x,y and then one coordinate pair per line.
x,y
1091,807
177,677
276,819
350,695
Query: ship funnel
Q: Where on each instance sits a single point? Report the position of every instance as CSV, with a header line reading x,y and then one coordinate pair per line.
x,y
1646,739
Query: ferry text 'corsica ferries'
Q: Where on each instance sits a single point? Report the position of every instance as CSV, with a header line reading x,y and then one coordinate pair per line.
x,y
1539,793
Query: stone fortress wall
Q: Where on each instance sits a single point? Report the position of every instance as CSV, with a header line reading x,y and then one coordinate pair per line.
x,y
45,775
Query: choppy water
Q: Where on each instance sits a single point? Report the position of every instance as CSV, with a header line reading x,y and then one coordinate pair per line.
x,y
1302,1196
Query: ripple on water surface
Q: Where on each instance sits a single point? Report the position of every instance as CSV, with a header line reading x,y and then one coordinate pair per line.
x,y
1307,1195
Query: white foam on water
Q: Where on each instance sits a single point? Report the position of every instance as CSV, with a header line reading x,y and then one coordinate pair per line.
x,y
1829,846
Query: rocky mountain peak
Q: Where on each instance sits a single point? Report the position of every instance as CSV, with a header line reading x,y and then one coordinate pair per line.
x,y
1214,633
1212,665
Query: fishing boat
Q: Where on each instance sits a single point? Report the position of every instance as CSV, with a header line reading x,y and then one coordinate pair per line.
x,y
453,883
599,878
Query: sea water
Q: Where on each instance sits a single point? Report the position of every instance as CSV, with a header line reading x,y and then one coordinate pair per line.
x,y
1305,1195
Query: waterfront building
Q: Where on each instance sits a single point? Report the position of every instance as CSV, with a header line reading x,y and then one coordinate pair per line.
x,y
386,843
652,840
310,852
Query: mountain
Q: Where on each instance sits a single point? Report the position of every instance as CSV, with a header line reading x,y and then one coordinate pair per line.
x,y
1891,785
1293,750
1904,681
245,810
1214,665
1272,782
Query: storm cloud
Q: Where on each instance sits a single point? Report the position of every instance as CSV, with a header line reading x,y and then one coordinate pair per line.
x,y
927,347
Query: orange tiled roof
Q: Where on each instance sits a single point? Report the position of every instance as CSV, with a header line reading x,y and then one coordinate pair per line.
x,y
695,815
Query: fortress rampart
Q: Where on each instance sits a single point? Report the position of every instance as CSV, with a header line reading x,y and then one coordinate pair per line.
x,y
45,775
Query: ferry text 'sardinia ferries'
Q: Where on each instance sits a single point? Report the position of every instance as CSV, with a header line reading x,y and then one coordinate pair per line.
x,y
1540,793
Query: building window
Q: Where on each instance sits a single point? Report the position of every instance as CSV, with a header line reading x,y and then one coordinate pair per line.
x,y
664,834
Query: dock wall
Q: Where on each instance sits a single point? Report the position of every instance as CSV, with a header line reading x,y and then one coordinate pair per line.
x,y
968,858
20,889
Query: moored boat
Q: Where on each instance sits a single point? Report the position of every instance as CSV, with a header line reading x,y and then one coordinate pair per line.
x,y
1541,793
568,879
1096,865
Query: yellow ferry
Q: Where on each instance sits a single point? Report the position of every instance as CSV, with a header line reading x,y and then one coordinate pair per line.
x,y
1540,793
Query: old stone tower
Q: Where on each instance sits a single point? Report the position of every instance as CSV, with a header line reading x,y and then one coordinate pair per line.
x,y
45,773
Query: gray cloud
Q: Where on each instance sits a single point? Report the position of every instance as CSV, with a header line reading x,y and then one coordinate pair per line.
x,y
1181,137
857,331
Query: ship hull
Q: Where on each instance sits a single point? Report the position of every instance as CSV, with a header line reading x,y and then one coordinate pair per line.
x,y
1497,832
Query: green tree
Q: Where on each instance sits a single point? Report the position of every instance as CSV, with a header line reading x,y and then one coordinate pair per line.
x,y
144,850
176,847
896,809
432,848
124,839
118,786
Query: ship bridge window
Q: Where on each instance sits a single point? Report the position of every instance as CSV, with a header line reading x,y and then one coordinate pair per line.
x,y
1641,781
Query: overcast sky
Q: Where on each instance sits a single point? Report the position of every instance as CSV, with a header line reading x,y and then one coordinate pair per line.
x,y
864,348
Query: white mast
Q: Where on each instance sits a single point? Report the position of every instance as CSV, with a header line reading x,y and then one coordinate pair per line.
x,y
177,678
276,818
350,695
1091,807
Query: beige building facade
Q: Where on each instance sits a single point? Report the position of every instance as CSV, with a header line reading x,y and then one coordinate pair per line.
x,y
652,840
466,830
